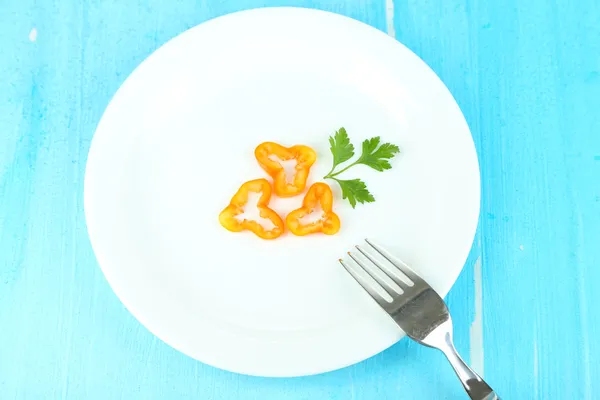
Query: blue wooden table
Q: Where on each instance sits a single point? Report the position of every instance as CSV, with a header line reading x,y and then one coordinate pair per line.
x,y
527,77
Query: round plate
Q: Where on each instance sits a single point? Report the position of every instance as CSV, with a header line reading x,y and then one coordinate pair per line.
x,y
177,140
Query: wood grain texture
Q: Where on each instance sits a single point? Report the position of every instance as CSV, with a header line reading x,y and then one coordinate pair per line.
x,y
527,77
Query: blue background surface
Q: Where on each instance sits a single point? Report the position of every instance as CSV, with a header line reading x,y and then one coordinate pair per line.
x,y
527,77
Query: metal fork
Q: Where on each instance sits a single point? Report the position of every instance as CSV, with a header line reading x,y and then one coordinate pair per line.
x,y
417,309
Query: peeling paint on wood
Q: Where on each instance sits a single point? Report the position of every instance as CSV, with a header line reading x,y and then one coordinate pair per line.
x,y
526,75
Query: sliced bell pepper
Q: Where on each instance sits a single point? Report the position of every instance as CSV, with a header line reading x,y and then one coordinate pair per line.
x,y
228,219
328,224
305,157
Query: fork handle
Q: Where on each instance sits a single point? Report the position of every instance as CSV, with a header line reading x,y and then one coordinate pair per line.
x,y
475,387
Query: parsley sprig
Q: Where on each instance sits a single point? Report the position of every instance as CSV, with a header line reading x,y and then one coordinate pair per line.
x,y
372,155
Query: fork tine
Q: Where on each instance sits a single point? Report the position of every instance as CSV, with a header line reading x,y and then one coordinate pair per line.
x,y
377,279
405,269
403,285
372,292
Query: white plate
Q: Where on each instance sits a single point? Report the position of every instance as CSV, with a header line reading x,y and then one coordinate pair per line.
x,y
177,140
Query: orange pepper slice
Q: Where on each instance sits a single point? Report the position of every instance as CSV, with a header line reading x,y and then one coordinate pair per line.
x,y
228,219
329,224
304,156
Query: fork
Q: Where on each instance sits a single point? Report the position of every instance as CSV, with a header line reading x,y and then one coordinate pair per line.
x,y
417,309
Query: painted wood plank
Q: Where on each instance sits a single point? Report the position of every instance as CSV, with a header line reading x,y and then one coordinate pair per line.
x,y
526,75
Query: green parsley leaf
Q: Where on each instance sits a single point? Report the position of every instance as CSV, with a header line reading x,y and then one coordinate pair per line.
x,y
373,155
355,191
377,158
341,148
